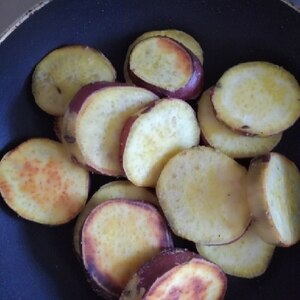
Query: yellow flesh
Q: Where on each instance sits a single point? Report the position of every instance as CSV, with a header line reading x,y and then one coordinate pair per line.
x,y
157,135
202,194
63,72
247,257
113,190
232,143
100,122
41,184
122,237
194,280
258,98
180,36
161,62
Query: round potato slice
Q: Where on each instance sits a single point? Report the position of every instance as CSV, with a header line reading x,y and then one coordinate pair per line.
x,y
257,98
40,183
202,193
176,274
166,68
185,39
230,142
247,257
273,191
118,237
58,76
155,134
112,190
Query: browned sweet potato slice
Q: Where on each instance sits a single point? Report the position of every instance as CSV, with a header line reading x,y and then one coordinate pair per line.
x,y
257,98
176,274
40,183
118,237
165,67
59,75
202,193
230,142
273,190
113,190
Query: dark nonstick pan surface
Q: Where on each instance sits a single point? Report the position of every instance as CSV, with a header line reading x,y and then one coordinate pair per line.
x,y
37,262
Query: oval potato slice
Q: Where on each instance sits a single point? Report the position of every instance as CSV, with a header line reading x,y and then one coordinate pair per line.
x,y
118,237
185,39
257,98
273,190
40,183
247,257
59,75
113,190
230,142
202,193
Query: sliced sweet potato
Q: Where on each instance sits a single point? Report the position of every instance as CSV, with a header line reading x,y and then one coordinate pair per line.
x,y
40,183
153,135
118,237
273,190
94,120
183,38
202,193
165,67
257,98
230,142
113,190
247,257
176,274
59,75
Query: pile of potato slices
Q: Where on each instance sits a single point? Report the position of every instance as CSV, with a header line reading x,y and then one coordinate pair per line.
x,y
146,132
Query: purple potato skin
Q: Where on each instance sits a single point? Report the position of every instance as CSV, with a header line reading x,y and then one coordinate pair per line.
x,y
156,267
190,91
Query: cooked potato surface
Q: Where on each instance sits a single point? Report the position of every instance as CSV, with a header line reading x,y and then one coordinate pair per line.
x,y
155,134
40,183
59,75
273,192
118,237
230,142
202,193
117,189
257,98
247,257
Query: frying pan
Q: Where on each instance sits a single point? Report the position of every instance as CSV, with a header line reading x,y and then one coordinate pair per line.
x,y
37,262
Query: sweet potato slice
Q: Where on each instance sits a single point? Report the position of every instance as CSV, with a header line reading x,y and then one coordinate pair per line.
x,y
94,120
273,190
165,67
202,193
40,183
153,135
176,274
183,38
247,257
257,98
230,142
113,190
59,75
118,237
